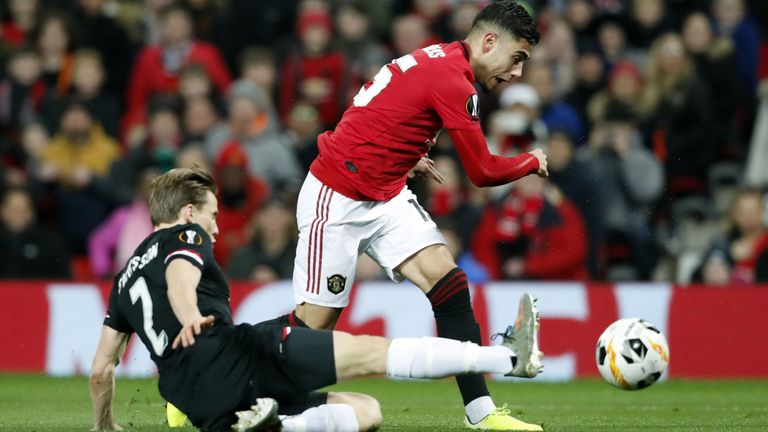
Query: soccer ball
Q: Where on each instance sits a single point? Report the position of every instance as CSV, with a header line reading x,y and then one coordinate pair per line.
x,y
632,354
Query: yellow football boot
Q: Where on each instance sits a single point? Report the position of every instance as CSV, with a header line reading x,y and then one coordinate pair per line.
x,y
501,420
176,418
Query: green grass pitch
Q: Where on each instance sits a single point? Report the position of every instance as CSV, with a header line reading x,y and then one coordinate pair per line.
x,y
41,403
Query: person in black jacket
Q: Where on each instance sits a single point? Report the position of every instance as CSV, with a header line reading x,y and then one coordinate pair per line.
x,y
29,250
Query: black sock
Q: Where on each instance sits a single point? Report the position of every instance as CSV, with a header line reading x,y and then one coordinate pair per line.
x,y
455,320
287,320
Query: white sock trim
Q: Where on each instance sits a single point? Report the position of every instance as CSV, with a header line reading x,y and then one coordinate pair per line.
x,y
479,408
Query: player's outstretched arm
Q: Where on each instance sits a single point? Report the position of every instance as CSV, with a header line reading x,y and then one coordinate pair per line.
x,y
182,279
486,169
102,378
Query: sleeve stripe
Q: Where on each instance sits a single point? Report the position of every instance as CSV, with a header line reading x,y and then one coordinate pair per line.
x,y
186,252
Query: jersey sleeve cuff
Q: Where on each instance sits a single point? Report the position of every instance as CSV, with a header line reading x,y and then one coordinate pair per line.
x,y
194,257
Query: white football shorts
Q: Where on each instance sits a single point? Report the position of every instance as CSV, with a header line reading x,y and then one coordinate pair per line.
x,y
334,230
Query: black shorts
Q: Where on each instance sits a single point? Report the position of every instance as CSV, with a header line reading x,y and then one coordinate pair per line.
x,y
239,364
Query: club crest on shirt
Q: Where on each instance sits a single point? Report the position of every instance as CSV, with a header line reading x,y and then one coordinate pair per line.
x,y
336,283
190,237
472,108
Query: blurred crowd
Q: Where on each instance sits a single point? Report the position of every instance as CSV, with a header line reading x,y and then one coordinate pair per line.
x,y
646,109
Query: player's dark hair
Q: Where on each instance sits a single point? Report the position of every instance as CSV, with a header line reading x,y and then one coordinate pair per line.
x,y
511,17
177,188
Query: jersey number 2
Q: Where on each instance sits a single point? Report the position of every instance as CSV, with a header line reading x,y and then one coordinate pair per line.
x,y
140,291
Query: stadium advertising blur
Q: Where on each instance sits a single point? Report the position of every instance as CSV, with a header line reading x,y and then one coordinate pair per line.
x,y
713,333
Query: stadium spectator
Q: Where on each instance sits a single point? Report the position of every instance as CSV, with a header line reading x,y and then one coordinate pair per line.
x,y
29,250
460,21
409,33
269,254
558,50
150,27
34,140
611,35
761,268
106,35
731,20
580,15
647,22
55,42
436,14
259,66
191,155
157,68
572,172
454,240
516,127
676,109
23,18
732,259
207,18
449,200
266,24
158,148
74,163
314,71
533,232
113,242
590,80
200,118
88,78
625,85
354,37
269,156
714,57
553,110
21,92
303,128
630,180
240,196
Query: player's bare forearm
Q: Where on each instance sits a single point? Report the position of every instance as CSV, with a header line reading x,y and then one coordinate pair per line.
x,y
102,391
182,279
486,169
102,378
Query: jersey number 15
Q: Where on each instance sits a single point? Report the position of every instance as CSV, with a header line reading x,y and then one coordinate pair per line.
x,y
384,76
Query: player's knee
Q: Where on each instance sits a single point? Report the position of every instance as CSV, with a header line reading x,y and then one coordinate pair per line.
x,y
318,317
440,263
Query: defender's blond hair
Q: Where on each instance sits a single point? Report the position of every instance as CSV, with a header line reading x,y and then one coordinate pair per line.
x,y
177,188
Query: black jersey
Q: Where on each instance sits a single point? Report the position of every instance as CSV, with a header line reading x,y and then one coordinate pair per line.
x,y
139,301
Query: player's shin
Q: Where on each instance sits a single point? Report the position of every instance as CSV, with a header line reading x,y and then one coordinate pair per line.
x,y
430,357
454,319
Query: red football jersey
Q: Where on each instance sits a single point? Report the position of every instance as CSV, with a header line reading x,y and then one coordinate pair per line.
x,y
393,119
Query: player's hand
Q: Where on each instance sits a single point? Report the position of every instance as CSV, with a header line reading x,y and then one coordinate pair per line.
x,y
426,167
539,154
187,334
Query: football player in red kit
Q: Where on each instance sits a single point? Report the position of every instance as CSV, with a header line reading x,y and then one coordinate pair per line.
x,y
355,199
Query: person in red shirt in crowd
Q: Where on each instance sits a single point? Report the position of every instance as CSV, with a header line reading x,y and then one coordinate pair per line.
x,y
532,232
733,258
315,73
158,67
23,19
355,198
240,196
